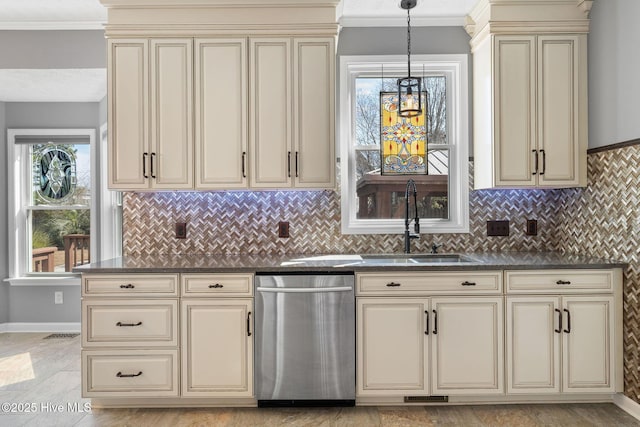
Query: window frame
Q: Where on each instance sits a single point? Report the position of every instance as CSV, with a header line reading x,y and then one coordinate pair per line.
x,y
455,66
19,197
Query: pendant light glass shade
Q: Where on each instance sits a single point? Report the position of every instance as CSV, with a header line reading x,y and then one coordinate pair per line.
x,y
409,88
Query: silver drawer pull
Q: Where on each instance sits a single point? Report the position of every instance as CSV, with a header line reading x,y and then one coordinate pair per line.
x,y
393,284
216,286
467,283
121,375
563,282
128,324
129,286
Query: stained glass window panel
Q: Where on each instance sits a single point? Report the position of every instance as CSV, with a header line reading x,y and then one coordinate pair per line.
x,y
403,141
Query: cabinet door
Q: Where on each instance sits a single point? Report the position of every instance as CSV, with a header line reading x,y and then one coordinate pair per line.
x,y
221,113
558,109
514,105
588,351
128,113
467,346
270,112
313,95
217,350
171,156
392,346
533,344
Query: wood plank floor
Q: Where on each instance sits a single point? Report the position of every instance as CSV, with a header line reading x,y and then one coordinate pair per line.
x,y
46,372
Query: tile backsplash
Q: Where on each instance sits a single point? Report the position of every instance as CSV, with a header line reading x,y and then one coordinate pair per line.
x,y
601,220
246,222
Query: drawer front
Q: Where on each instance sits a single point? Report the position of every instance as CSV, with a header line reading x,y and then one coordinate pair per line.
x,y
147,285
129,373
224,285
126,323
560,281
489,282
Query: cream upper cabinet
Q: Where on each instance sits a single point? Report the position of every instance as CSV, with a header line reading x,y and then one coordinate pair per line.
x,y
171,149
221,125
128,113
270,113
291,112
533,132
313,98
150,114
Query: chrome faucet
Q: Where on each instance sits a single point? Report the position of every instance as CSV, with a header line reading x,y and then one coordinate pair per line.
x,y
411,186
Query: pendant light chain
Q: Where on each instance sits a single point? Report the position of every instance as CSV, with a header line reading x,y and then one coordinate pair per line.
x,y
409,42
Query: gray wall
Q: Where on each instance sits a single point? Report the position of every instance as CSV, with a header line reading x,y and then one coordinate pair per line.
x,y
53,49
4,287
393,41
614,61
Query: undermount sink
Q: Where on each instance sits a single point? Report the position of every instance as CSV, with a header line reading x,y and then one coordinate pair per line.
x,y
414,259
380,260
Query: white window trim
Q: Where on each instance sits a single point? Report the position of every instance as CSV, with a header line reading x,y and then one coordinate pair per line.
x,y
110,237
458,105
17,221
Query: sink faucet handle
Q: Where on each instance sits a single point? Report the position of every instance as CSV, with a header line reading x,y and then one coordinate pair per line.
x,y
434,248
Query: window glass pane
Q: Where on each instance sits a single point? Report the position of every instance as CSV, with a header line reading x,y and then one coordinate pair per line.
x,y
59,215
59,239
382,197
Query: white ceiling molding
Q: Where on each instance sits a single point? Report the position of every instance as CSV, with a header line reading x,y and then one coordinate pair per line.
x,y
52,15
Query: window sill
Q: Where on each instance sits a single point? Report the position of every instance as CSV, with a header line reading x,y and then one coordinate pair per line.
x,y
73,280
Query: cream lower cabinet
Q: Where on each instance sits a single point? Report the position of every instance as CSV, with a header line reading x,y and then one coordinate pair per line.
x,y
130,335
217,336
564,331
560,344
419,345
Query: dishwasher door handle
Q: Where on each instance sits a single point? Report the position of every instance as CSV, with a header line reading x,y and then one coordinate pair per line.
x,y
305,290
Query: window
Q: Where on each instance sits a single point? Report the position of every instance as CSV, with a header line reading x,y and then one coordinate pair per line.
x,y
53,208
374,203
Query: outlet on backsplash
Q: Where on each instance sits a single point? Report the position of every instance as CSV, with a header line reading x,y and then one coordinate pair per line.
x,y
532,227
498,228
283,229
181,230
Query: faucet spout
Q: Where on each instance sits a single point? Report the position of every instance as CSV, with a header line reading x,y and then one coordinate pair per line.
x,y
410,188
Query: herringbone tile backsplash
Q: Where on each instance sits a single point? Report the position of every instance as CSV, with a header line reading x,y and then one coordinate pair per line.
x,y
246,222
600,220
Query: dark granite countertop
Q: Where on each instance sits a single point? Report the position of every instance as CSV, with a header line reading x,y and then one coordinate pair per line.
x,y
274,263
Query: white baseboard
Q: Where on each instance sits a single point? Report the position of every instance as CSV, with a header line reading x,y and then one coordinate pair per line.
x,y
628,405
40,327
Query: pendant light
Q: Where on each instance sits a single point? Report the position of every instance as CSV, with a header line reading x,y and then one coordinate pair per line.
x,y
409,88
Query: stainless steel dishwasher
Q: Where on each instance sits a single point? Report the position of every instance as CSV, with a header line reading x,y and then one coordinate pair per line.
x,y
305,340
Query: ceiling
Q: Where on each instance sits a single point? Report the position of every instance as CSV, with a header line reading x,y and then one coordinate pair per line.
x,y
89,85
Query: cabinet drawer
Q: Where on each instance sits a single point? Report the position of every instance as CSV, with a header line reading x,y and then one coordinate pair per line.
x,y
128,373
489,282
225,285
126,323
559,281
147,285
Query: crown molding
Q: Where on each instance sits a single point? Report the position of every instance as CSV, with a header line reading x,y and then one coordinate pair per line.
x,y
385,21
